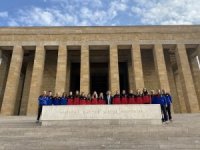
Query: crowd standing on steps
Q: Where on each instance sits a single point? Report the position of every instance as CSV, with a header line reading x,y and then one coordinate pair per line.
x,y
139,97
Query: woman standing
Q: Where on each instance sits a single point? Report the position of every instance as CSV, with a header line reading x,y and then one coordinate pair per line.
x,y
116,98
124,99
57,99
83,99
70,98
94,98
63,100
101,99
139,97
77,98
131,98
88,101
146,96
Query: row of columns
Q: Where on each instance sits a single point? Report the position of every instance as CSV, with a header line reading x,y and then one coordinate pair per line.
x,y
38,68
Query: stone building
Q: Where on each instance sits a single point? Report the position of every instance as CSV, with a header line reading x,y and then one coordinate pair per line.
x,y
33,59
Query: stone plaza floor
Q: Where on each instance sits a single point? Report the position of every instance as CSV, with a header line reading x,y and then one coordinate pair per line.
x,y
22,133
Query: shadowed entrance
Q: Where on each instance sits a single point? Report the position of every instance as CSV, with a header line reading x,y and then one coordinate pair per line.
x,y
98,77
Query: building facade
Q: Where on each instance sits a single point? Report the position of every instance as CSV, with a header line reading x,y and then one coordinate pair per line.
x,y
33,59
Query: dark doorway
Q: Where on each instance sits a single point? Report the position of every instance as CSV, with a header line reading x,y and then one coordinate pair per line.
x,y
99,77
75,77
123,76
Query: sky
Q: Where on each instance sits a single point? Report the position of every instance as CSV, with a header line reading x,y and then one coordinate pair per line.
x,y
98,12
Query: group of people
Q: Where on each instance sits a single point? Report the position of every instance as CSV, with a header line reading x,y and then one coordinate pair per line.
x,y
140,97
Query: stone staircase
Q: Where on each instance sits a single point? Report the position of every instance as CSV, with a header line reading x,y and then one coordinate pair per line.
x,y
22,133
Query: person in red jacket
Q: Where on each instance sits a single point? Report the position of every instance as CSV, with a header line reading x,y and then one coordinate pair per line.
x,y
70,98
146,96
88,101
139,97
101,99
83,99
77,98
94,98
131,98
124,98
116,98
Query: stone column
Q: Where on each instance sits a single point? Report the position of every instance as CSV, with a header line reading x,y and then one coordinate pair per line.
x,y
1,55
180,93
4,69
113,69
186,79
196,74
2,76
198,54
130,76
67,86
61,69
85,69
174,93
137,66
9,100
36,80
160,67
27,83
198,51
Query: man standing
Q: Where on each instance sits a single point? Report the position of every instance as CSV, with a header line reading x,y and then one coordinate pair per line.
x,y
169,102
163,104
50,98
42,100
108,98
160,99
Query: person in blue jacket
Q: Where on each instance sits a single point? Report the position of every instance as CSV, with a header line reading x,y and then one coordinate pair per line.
x,y
57,99
42,100
50,98
154,98
163,104
63,100
160,99
169,102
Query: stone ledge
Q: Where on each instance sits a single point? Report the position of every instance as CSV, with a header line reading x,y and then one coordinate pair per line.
x,y
101,114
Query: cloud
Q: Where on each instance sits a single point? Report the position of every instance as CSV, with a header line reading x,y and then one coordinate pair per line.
x,y
106,12
71,13
4,14
166,12
42,17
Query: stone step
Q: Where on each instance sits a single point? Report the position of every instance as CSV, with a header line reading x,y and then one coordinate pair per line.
x,y
23,133
108,143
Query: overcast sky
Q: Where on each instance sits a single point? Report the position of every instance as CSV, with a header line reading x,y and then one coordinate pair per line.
x,y
98,12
